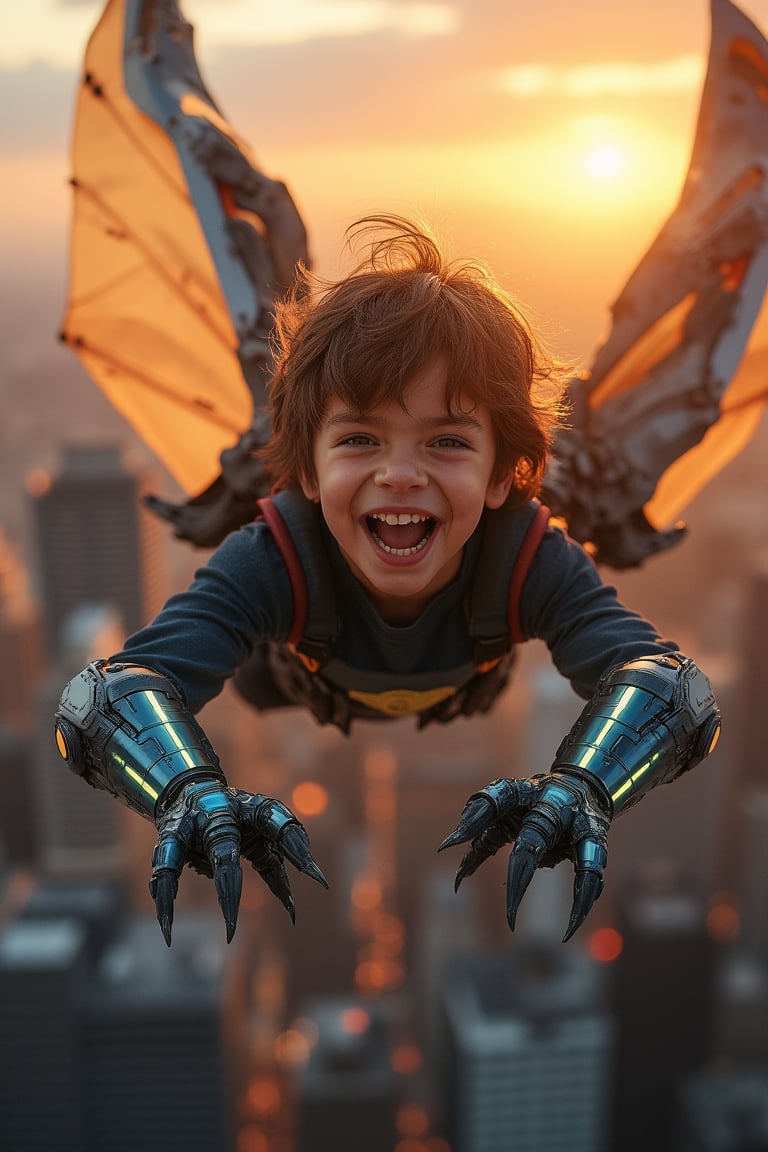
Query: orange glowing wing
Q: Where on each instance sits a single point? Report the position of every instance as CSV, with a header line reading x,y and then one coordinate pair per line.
x,y
671,396
178,246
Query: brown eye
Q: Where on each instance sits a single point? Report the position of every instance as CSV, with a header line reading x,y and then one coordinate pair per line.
x,y
450,442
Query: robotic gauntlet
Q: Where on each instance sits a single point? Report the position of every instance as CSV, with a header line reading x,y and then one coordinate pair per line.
x,y
649,721
126,729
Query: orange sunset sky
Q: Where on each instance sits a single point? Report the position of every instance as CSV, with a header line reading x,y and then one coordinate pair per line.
x,y
546,137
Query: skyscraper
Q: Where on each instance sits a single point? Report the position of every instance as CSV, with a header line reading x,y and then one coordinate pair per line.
x,y
43,965
20,642
79,827
347,1091
111,1041
95,542
164,1035
664,1004
725,1112
530,1051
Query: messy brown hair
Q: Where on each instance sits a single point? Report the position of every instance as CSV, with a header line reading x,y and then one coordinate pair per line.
x,y
364,338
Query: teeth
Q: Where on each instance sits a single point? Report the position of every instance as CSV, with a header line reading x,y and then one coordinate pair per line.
x,y
400,517
393,518
402,551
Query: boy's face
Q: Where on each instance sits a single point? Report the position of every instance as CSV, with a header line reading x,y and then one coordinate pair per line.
x,y
402,490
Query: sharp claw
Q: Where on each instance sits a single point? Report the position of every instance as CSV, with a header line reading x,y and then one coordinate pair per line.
x,y
275,877
473,821
586,888
290,908
294,844
163,888
228,878
522,865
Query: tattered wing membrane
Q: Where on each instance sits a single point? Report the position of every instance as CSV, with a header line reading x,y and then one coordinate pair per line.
x,y
172,280
742,410
663,407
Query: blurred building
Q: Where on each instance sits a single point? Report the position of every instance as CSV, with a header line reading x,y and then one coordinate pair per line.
x,y
164,1039
347,1092
20,643
44,966
111,1041
741,1035
95,542
664,999
726,1112
531,1049
19,827
79,827
753,762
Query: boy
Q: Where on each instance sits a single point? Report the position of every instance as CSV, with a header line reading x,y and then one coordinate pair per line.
x,y
410,433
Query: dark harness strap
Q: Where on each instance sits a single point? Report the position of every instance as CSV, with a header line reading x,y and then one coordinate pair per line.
x,y
295,525
525,558
510,543
511,540
284,541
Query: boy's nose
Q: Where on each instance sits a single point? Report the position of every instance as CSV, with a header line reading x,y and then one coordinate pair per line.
x,y
401,471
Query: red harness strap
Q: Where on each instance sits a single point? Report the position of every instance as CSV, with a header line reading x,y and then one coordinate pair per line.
x,y
528,550
282,536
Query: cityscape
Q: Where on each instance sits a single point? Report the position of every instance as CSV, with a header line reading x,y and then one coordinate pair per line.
x,y
395,1015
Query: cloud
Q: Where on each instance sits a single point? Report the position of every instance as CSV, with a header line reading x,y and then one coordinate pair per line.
x,y
532,81
294,21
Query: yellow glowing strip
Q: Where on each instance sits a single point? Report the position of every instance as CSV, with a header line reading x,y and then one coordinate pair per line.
x,y
603,731
585,758
641,771
142,783
161,715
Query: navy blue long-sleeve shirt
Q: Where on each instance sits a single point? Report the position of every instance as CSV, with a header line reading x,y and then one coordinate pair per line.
x,y
243,597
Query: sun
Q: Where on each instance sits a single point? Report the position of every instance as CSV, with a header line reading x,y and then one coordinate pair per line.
x,y
605,162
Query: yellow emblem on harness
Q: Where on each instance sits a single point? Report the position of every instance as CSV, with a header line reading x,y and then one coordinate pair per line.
x,y
403,701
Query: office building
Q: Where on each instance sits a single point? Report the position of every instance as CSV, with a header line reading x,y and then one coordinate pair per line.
x,y
164,1039
95,542
79,827
347,1092
21,643
725,1112
112,1042
664,1000
530,1052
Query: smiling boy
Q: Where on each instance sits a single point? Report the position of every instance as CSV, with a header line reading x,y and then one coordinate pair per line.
x,y
410,433
402,487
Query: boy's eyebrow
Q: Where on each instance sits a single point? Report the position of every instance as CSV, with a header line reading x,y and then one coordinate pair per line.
x,y
454,420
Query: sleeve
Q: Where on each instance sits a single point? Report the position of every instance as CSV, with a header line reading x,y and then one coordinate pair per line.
x,y
201,637
586,627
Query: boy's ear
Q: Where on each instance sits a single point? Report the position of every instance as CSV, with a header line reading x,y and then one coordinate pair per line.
x,y
498,490
309,488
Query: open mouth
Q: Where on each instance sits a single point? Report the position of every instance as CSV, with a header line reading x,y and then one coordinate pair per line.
x,y
400,533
